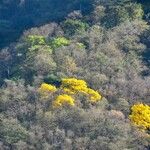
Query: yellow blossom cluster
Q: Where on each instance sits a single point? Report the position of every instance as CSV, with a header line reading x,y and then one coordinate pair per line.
x,y
63,100
94,95
140,115
69,88
46,88
73,86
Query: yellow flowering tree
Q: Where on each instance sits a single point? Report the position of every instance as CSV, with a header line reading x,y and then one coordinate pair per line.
x,y
62,100
94,95
47,88
73,86
69,88
140,115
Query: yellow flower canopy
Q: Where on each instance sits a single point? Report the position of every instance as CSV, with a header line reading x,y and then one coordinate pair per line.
x,y
140,115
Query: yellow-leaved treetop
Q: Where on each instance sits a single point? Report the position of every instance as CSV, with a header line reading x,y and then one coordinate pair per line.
x,y
73,86
94,95
47,88
140,115
69,87
62,100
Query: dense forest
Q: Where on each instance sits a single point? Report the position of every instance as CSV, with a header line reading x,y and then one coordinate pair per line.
x,y
74,75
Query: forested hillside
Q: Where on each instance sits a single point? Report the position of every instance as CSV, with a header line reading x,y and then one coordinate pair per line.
x,y
74,75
